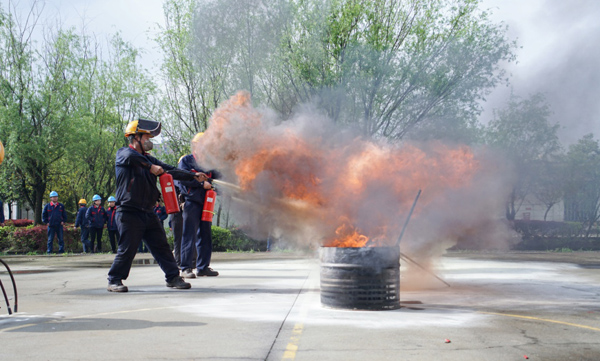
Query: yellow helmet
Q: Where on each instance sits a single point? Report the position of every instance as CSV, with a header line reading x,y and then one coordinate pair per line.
x,y
82,201
1,153
143,126
197,137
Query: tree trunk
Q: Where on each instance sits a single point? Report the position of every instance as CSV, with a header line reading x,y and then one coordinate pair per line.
x,y
219,215
38,197
548,210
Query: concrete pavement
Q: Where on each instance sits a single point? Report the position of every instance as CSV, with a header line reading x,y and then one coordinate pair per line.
x,y
266,306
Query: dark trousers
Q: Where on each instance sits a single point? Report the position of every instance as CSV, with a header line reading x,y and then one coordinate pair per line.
x,y
112,234
58,231
96,236
133,227
196,236
85,239
177,227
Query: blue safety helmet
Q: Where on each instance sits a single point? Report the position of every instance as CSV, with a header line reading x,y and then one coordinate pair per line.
x,y
112,199
96,198
53,194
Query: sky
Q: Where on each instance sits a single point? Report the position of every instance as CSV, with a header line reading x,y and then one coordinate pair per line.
x,y
559,52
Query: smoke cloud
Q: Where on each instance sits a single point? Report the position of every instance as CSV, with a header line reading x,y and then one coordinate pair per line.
x,y
559,58
309,182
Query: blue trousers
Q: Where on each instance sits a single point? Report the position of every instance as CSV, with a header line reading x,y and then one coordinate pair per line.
x,y
133,227
58,231
196,235
85,239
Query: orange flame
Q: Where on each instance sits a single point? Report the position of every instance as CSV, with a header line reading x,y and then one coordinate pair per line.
x,y
352,192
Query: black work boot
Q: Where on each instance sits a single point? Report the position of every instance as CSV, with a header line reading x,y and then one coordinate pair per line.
x,y
178,283
207,272
117,286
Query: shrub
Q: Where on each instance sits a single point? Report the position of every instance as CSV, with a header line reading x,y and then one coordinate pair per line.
x,y
234,240
221,238
19,222
35,239
5,233
529,229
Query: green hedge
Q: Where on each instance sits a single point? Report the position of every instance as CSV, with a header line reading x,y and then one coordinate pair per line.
x,y
225,240
33,239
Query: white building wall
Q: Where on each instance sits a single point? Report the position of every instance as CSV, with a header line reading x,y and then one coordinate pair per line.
x,y
534,210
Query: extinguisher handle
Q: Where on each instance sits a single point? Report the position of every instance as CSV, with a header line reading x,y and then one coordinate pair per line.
x,y
181,173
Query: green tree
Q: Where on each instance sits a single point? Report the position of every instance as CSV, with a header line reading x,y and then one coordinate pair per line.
x,y
549,181
63,107
114,90
582,194
389,66
35,101
187,97
521,131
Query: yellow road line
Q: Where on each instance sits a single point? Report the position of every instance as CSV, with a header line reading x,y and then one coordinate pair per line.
x,y
292,347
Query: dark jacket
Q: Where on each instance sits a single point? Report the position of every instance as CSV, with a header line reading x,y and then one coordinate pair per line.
x,y
81,221
54,215
161,212
96,216
111,225
194,191
136,186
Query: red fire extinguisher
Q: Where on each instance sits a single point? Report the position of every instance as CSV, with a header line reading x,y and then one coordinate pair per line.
x,y
209,205
168,193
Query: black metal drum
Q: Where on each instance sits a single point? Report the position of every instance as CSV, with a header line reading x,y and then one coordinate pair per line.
x,y
365,278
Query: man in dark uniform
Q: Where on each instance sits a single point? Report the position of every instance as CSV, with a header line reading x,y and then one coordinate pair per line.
x,y
54,216
197,234
136,173
82,222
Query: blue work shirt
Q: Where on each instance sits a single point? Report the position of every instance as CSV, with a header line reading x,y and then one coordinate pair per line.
x,y
111,224
54,214
193,190
96,216
136,185
81,221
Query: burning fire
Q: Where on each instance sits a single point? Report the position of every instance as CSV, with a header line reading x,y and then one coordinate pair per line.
x,y
305,178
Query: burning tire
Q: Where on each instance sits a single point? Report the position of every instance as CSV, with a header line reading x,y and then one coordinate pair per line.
x,y
361,278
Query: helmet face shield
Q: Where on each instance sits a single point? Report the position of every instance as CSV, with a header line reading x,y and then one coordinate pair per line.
x,y
143,126
149,126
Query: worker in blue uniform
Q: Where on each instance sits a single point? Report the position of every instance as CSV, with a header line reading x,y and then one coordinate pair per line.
x,y
96,216
84,225
197,234
136,194
111,225
54,216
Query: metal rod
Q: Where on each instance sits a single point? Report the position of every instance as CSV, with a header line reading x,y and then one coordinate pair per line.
x,y
14,286
5,298
408,218
402,255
